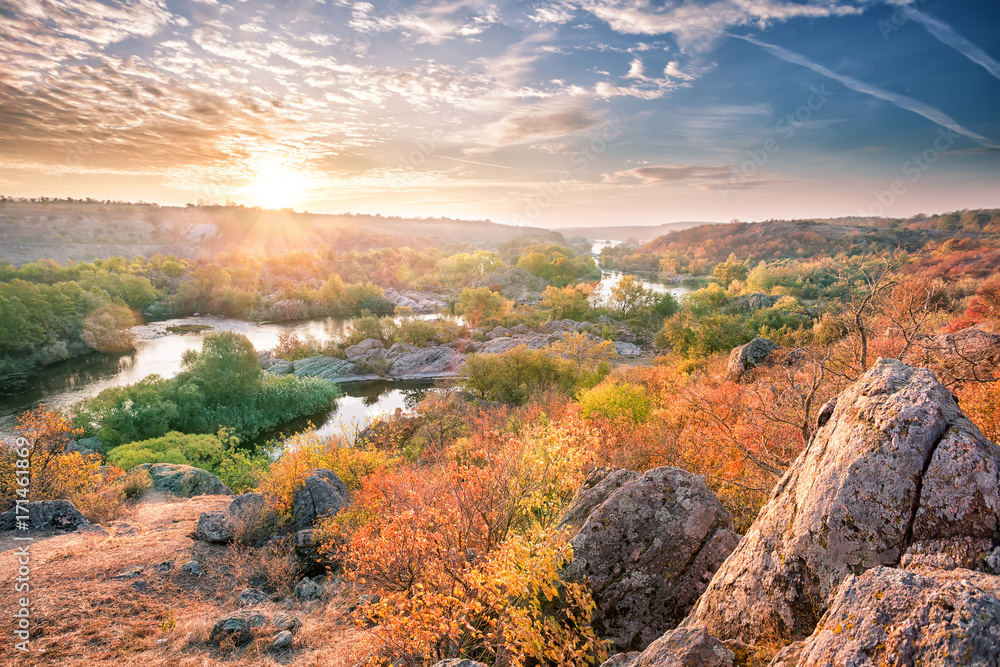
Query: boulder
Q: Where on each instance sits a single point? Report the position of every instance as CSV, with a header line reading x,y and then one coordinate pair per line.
x,y
362,349
214,527
648,552
193,568
889,616
282,641
247,506
284,621
894,471
183,481
430,362
598,486
747,357
307,589
327,368
44,515
747,303
322,494
624,349
682,647
237,628
515,283
279,367
399,348
969,354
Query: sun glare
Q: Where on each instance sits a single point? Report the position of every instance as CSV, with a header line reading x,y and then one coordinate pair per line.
x,y
277,187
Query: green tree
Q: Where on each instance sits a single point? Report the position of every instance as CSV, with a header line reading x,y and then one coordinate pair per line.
x,y
477,303
728,271
227,367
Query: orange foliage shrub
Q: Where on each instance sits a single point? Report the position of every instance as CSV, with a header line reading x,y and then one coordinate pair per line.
x,y
981,403
56,473
457,550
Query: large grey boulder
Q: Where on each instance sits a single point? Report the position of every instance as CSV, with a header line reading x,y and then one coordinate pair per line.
x,y
598,486
44,515
747,303
248,506
682,647
184,481
889,616
648,552
747,357
429,362
322,494
895,471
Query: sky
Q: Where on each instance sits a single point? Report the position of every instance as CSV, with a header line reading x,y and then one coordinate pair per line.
x,y
551,114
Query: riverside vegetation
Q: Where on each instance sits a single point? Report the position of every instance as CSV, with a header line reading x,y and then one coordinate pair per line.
x,y
556,502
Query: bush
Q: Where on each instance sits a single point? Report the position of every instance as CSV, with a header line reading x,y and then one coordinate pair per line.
x,y
615,400
200,451
475,304
109,329
416,332
243,471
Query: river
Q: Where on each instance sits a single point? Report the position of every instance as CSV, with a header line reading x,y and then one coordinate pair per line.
x,y
61,385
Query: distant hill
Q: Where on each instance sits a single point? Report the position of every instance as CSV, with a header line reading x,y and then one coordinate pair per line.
x,y
625,232
84,231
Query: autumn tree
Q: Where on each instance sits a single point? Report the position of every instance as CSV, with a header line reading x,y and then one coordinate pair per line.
x,y
109,329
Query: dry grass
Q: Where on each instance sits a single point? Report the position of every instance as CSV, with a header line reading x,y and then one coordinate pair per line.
x,y
82,615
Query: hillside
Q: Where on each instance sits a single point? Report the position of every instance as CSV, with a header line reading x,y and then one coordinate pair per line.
x,y
628,232
85,231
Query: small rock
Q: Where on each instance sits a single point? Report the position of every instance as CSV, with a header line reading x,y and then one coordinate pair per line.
x,y
747,357
993,560
282,641
251,597
237,628
97,530
193,568
683,647
307,589
130,573
165,566
284,621
183,481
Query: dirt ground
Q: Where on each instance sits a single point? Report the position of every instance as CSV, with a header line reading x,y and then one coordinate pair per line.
x,y
119,596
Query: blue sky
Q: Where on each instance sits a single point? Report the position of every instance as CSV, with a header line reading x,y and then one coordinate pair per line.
x,y
544,113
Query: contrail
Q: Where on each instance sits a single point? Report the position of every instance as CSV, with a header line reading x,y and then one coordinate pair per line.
x,y
901,101
947,34
485,164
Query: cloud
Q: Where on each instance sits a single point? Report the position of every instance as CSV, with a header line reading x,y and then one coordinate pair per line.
x,y
696,24
668,173
635,70
901,101
947,34
545,121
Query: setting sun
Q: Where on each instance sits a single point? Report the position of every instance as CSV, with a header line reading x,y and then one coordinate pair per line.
x,y
276,187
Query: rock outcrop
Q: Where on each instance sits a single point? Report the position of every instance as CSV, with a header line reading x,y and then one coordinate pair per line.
x,y
597,487
44,515
683,647
238,628
184,481
648,552
322,494
426,363
747,357
895,473
515,283
889,616
968,354
418,302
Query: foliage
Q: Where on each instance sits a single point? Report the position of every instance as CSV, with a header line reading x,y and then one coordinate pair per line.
x,y
516,375
222,387
730,270
108,329
615,400
558,265
243,470
306,451
201,451
570,302
477,303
